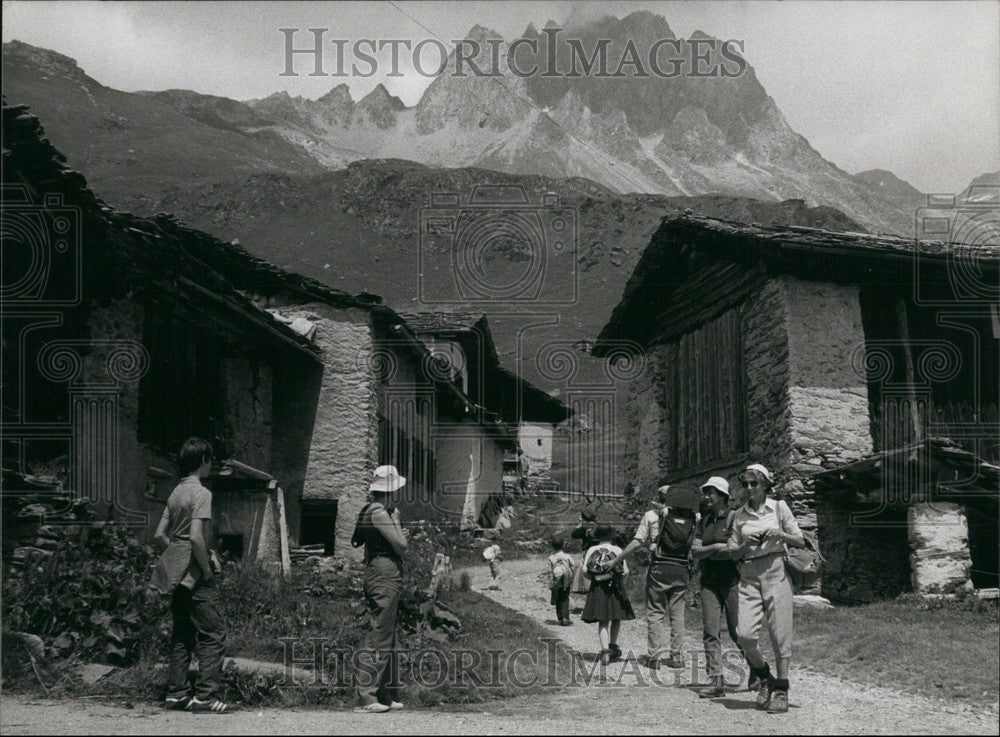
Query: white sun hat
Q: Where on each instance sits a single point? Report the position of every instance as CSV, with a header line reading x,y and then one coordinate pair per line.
x,y
762,470
387,479
718,483
491,552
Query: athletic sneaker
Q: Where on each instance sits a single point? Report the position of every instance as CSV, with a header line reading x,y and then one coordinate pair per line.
x,y
395,706
214,706
375,708
174,704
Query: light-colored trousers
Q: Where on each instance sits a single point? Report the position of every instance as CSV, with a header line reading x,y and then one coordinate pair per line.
x,y
765,591
666,585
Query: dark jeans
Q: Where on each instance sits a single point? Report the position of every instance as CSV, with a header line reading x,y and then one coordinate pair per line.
x,y
376,679
198,629
560,597
717,596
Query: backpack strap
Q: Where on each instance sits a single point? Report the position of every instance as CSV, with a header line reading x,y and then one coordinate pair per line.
x,y
361,526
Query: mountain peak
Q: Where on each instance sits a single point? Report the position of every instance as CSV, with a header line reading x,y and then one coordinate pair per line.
x,y
481,33
338,96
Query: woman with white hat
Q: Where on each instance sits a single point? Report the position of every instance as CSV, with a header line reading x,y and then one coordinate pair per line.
x,y
761,529
380,531
719,579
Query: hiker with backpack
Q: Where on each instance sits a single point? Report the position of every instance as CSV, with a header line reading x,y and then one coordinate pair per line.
x,y
607,602
560,579
762,529
379,529
720,579
667,531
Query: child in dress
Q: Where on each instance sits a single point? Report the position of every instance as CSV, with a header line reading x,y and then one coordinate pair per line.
x,y
560,578
607,602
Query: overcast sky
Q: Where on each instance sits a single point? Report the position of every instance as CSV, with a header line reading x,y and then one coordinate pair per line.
x,y
913,87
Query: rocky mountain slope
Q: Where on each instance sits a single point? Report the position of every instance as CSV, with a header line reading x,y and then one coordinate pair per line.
x,y
126,142
359,229
681,136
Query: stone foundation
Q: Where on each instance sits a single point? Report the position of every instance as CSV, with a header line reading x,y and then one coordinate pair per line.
x,y
939,539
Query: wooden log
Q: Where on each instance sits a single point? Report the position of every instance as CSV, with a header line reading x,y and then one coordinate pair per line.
x,y
286,560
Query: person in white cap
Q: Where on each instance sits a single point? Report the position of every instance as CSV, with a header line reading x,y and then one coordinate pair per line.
x,y
380,531
719,580
761,529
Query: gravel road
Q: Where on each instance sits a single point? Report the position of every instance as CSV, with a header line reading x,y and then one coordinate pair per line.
x,y
820,704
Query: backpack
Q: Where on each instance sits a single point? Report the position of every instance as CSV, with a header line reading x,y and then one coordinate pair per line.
x,y
560,576
804,566
363,528
676,534
598,565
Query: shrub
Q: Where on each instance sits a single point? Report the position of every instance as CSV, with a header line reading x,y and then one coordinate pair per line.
x,y
87,596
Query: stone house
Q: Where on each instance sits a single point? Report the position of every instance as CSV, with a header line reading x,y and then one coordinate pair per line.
x,y
464,343
805,350
128,334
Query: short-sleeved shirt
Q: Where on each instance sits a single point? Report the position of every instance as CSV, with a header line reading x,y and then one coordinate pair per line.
x,y
774,515
712,530
189,501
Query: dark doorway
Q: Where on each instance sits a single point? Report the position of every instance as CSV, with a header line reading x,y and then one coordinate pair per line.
x,y
984,542
231,546
318,524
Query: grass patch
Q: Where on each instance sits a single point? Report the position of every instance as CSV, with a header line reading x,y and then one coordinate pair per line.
x,y
946,649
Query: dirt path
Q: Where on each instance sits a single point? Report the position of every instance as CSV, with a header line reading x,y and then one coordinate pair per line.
x,y
820,704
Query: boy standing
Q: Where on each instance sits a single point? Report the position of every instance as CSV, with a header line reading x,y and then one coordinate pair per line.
x,y
560,580
184,573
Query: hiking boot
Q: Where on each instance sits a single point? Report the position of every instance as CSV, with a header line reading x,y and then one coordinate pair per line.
x,y
779,702
753,683
714,689
764,693
616,653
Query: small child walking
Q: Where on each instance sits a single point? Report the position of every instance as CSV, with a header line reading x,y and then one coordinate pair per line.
x,y
607,603
494,555
560,579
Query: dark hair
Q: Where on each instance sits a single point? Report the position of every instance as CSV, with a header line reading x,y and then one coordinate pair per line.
x,y
193,454
557,543
604,533
588,515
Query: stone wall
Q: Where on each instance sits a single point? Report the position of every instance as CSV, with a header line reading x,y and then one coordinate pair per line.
x,y
828,417
939,539
536,446
469,469
112,466
253,515
765,357
867,551
343,449
248,423
645,429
